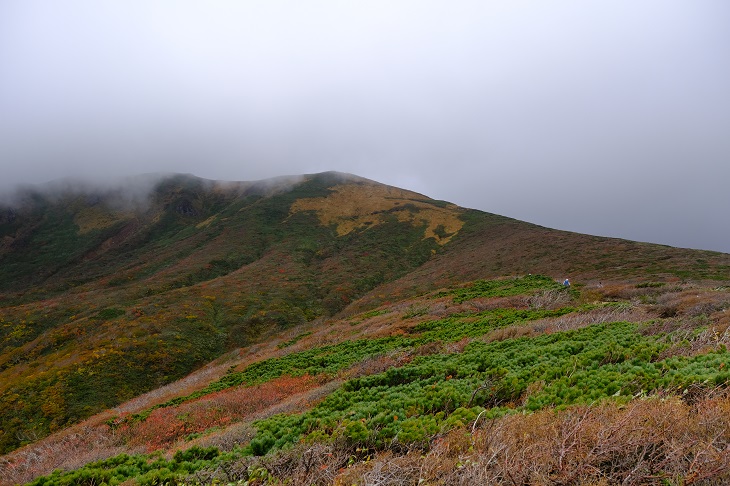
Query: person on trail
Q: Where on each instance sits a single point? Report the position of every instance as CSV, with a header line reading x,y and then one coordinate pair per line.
x,y
566,283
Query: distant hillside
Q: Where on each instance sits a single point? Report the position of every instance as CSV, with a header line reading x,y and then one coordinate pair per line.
x,y
106,294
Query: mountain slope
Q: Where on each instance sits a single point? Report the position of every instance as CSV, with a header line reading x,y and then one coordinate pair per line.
x,y
103,298
492,246
101,303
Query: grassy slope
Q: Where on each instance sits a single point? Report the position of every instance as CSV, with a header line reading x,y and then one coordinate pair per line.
x,y
94,316
205,270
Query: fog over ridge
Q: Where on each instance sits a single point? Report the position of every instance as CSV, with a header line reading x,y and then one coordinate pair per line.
x,y
607,119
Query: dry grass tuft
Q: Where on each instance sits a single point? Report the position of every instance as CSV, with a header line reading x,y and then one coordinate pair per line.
x,y
576,320
376,364
548,299
648,441
688,342
71,450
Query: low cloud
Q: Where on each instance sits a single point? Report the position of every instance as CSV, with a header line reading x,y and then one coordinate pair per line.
x,y
608,119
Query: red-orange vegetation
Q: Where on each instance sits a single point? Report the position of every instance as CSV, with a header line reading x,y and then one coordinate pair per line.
x,y
165,426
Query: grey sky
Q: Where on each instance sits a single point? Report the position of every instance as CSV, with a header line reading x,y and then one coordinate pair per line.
x,y
603,117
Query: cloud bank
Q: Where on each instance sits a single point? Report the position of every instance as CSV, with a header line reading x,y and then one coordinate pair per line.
x,y
607,118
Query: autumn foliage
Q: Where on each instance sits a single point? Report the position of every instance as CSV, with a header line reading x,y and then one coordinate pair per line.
x,y
166,426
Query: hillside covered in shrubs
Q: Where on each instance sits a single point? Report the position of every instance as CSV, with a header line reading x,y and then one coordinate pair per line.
x,y
343,332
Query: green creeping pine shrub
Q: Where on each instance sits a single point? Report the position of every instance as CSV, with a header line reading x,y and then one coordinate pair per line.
x,y
460,417
147,470
433,392
458,326
196,453
502,288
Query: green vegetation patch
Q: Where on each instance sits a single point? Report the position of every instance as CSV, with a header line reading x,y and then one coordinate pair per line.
x,y
110,313
477,324
502,288
414,401
148,470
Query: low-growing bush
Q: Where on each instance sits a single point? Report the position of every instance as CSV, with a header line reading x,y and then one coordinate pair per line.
x,y
503,288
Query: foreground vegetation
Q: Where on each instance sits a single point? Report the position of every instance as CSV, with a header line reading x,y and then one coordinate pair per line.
x,y
508,381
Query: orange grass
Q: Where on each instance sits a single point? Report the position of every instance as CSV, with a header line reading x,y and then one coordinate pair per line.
x,y
165,426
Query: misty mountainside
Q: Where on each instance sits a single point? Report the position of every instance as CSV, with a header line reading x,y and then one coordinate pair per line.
x,y
105,295
101,301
